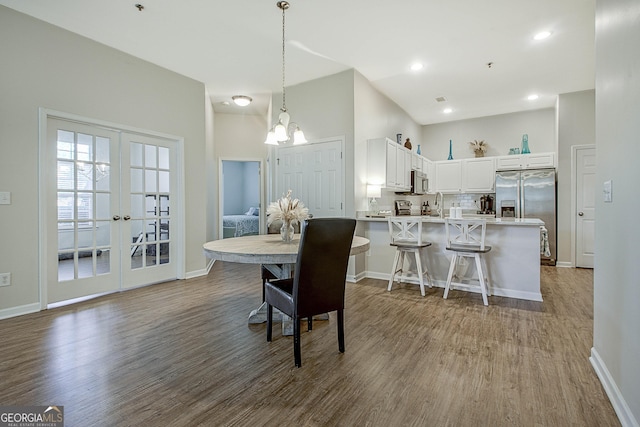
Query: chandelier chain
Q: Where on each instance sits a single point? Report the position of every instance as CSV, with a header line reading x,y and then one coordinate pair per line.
x,y
284,103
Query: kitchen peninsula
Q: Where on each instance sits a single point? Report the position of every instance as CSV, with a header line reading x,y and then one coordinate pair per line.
x,y
513,262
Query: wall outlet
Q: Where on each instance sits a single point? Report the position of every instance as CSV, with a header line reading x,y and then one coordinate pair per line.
x,y
5,279
5,198
608,197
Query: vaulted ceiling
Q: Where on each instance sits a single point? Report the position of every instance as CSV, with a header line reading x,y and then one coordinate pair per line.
x,y
479,55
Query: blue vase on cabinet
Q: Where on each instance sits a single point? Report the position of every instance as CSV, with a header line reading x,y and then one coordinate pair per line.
x,y
418,151
450,152
525,144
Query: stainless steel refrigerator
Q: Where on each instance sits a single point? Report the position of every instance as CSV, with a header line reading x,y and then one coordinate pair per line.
x,y
529,194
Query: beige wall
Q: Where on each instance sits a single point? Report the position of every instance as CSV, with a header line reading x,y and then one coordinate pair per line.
x,y
377,116
616,336
324,109
237,137
45,66
576,126
500,132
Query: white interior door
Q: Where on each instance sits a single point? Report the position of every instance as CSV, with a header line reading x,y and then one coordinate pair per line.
x,y
585,206
83,239
110,210
314,173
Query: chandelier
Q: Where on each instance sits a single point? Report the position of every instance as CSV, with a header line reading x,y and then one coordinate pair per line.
x,y
281,132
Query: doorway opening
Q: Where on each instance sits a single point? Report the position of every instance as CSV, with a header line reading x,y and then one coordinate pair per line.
x,y
241,198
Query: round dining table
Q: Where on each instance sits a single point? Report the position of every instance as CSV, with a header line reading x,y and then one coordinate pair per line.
x,y
269,250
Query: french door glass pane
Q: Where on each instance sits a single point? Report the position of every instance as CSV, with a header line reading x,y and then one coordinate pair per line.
x,y
136,154
136,180
163,157
66,175
103,234
102,150
150,156
137,206
163,181
103,205
66,210
150,182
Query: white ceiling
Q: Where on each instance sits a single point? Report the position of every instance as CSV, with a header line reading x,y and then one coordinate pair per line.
x,y
234,47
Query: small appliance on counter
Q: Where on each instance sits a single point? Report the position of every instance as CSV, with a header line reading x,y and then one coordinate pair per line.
x,y
402,207
486,205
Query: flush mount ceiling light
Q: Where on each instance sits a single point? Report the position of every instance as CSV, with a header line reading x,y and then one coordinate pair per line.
x,y
542,35
282,130
417,66
447,110
532,97
242,100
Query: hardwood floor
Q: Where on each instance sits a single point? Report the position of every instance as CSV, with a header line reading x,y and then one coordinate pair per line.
x,y
182,354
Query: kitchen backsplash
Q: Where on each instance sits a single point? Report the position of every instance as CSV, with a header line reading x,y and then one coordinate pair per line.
x,y
468,201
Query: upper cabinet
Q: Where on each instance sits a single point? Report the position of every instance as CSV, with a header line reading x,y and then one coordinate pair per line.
x,y
526,161
429,170
448,176
475,175
478,175
388,164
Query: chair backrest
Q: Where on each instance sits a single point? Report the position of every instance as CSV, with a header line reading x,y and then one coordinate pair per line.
x,y
321,267
405,229
466,232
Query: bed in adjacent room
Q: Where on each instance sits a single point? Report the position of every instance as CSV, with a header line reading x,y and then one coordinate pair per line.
x,y
241,225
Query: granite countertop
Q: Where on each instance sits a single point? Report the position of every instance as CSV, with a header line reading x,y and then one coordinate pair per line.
x,y
490,220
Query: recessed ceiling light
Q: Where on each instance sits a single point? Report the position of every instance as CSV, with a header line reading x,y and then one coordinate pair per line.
x,y
225,103
542,35
532,97
447,110
242,100
417,66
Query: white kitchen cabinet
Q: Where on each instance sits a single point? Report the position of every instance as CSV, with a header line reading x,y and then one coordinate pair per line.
x,y
391,161
478,175
416,162
449,176
526,161
388,164
403,168
429,170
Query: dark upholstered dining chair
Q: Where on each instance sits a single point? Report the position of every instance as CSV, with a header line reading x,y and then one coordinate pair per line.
x,y
318,285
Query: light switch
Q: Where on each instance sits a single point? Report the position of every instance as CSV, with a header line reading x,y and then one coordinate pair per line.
x,y
5,198
607,192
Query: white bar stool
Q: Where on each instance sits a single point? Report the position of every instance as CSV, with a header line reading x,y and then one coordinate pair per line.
x,y
465,238
406,236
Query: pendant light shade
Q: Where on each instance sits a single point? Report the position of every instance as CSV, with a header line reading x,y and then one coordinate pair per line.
x,y
281,132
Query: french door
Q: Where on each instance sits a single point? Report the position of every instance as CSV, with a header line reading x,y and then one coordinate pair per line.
x,y
108,210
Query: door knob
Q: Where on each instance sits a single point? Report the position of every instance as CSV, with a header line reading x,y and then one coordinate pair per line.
x,y
126,218
580,213
116,217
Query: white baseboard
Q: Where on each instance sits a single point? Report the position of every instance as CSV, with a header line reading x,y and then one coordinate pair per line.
x,y
20,310
355,279
202,272
613,392
566,264
529,296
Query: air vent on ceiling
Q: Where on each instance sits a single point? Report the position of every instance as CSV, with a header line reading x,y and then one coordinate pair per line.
x,y
441,99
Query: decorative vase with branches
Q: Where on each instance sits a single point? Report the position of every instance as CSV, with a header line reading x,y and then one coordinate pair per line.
x,y
478,147
289,211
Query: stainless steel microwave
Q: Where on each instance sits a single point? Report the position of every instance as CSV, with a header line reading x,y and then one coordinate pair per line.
x,y
419,183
